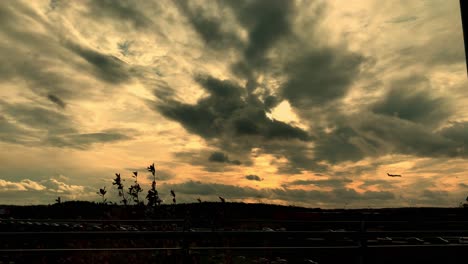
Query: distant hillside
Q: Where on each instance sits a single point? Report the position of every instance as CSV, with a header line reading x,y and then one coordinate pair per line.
x,y
212,210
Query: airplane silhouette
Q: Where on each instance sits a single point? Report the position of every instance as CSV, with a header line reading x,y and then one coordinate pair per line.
x,y
393,175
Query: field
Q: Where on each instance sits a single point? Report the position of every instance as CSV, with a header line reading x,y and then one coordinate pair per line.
x,y
81,232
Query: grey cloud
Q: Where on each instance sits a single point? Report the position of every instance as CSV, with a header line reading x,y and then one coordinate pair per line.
x,y
37,125
402,19
378,183
222,158
38,117
338,146
211,29
320,76
458,132
56,100
433,195
48,61
463,185
106,67
124,48
252,177
128,11
333,182
406,137
84,140
210,161
411,99
266,23
13,133
367,134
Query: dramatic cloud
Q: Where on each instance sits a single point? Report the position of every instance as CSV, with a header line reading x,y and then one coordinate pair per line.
x,y
226,113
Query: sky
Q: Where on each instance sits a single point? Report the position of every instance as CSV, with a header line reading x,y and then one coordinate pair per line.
x,y
306,103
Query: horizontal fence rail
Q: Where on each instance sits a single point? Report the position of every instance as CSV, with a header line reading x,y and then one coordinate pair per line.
x,y
362,239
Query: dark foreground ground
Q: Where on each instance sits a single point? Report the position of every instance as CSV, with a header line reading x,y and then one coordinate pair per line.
x,y
81,232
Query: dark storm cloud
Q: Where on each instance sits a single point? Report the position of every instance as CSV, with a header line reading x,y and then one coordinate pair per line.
x,y
320,76
458,132
225,112
222,158
56,100
401,136
234,122
209,28
411,99
234,116
367,134
266,21
106,67
252,177
338,146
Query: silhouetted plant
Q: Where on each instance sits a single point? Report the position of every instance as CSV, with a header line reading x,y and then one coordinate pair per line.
x,y
222,199
135,189
58,200
173,196
102,192
120,188
199,200
153,196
